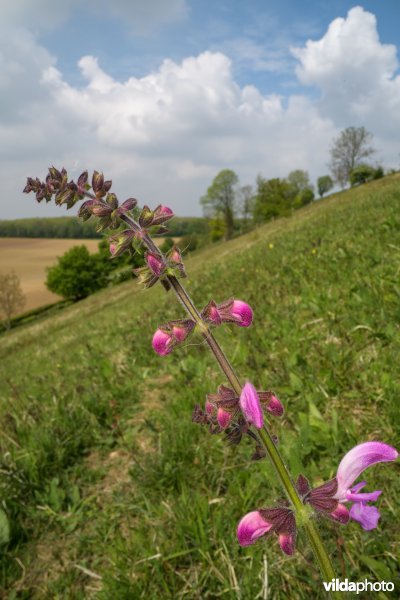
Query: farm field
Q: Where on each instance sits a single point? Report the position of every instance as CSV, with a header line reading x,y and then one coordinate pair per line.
x,y
111,491
29,258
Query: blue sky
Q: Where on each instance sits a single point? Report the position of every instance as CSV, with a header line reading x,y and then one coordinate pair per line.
x,y
162,95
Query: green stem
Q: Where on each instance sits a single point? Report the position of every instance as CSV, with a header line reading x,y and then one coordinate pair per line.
x,y
263,434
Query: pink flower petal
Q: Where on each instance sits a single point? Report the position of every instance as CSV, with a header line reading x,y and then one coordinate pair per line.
x,y
161,342
242,311
367,516
357,460
250,405
223,418
251,527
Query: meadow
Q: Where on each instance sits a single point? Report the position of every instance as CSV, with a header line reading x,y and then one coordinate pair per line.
x,y
111,491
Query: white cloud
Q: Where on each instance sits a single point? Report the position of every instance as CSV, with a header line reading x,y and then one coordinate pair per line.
x,y
163,137
355,73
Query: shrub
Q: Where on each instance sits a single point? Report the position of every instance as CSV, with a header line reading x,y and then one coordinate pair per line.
x,y
361,174
77,274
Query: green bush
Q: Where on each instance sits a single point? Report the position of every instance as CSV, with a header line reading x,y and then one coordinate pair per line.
x,y
77,274
361,174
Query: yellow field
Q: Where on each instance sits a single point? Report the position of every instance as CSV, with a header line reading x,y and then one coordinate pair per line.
x,y
29,258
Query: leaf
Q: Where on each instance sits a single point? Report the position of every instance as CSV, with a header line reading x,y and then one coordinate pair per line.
x,y
4,528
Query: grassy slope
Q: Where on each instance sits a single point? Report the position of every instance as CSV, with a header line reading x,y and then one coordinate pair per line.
x,y
112,491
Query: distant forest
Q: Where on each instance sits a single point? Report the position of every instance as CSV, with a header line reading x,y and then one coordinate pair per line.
x,y
74,228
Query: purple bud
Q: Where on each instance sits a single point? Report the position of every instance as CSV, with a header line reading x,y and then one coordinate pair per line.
x,y
223,418
250,405
128,205
82,181
275,406
97,182
161,214
209,407
100,209
155,264
287,543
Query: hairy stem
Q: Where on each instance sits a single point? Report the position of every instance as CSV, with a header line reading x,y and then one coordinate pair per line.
x,y
263,434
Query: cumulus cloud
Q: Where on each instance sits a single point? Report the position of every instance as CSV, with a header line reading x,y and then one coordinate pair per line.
x,y
355,73
164,136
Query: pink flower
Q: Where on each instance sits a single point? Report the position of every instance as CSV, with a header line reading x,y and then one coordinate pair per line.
x,y
250,405
259,523
328,498
251,527
162,342
168,336
230,311
242,312
350,468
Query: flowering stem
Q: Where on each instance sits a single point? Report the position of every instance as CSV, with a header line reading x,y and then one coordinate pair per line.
x,y
263,434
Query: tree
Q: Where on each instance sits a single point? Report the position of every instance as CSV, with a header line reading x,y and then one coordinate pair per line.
x,y
12,299
247,200
300,180
361,174
348,151
274,198
324,184
220,199
77,274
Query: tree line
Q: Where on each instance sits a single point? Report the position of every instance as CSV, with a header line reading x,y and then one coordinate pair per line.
x,y
228,206
74,228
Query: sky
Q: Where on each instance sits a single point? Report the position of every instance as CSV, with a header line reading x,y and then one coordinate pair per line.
x,y
161,96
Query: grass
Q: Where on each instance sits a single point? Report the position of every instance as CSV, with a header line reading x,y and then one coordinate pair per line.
x,y
112,492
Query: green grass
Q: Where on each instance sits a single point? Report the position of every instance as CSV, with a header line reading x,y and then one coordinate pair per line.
x,y
111,491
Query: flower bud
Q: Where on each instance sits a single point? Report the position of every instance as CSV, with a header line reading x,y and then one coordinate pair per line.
x,y
155,263
223,418
161,214
162,342
271,403
230,311
171,334
250,405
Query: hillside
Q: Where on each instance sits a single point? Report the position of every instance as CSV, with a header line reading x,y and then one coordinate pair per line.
x,y
112,491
